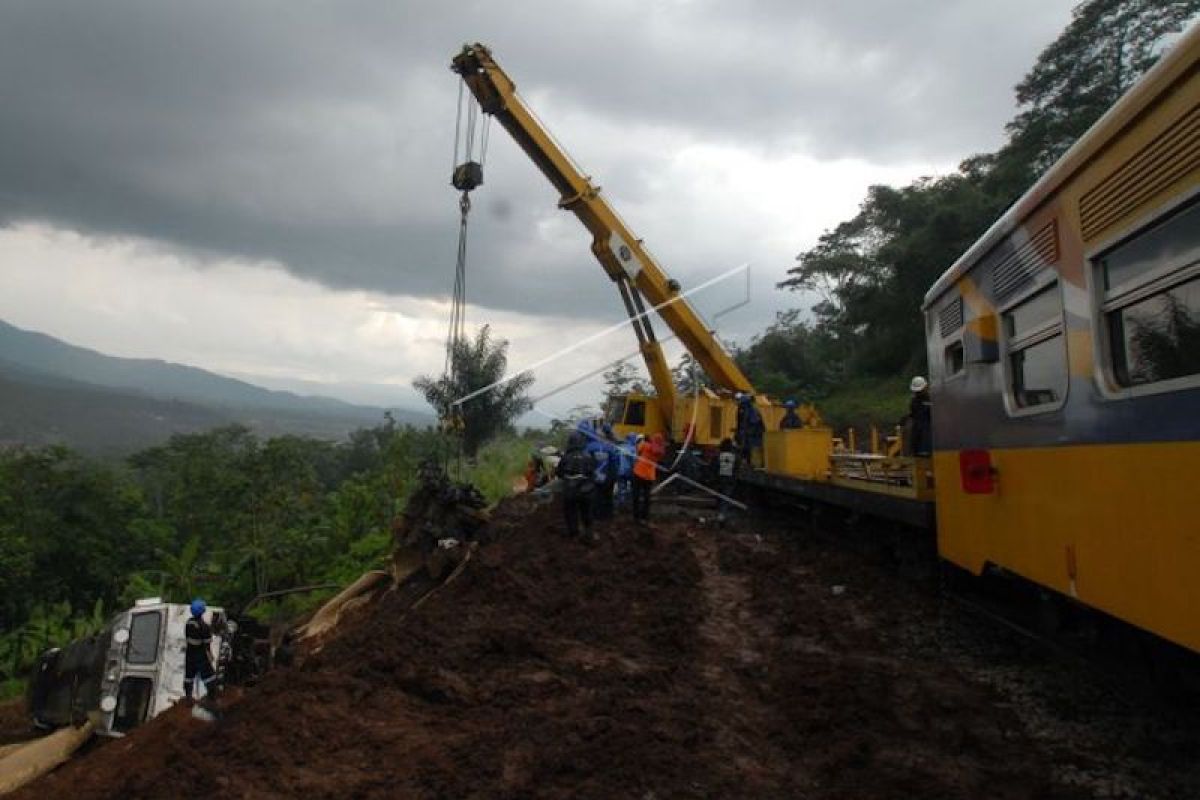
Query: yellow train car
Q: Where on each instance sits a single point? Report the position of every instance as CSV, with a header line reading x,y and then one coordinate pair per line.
x,y
1064,352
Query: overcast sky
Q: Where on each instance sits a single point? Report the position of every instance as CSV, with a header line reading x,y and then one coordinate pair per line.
x,y
262,189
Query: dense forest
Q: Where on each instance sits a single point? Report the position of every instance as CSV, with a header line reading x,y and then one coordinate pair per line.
x,y
854,353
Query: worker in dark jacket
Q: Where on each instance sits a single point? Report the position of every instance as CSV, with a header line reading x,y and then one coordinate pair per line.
x,y
920,415
790,418
576,469
750,429
197,660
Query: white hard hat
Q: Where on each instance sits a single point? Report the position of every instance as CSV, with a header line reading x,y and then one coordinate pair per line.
x,y
918,384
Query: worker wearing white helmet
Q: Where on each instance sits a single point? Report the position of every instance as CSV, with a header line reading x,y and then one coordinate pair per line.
x,y
920,414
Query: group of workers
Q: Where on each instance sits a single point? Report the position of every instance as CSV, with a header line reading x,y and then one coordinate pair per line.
x,y
599,472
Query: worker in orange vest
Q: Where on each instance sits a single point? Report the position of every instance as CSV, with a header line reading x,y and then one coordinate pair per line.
x,y
645,469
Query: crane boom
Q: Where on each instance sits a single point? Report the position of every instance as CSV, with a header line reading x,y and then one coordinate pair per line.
x,y
622,254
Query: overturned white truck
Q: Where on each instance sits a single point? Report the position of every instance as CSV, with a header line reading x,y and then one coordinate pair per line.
x,y
133,669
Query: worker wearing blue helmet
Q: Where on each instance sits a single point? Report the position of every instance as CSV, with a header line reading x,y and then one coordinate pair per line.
x,y
790,418
197,660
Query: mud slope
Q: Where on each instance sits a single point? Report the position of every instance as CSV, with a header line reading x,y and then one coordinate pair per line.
x,y
708,665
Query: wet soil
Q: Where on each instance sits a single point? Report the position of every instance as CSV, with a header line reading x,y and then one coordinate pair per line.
x,y
14,722
741,662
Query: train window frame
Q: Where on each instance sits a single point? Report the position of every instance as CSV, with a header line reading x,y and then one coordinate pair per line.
x,y
1106,301
1054,327
958,345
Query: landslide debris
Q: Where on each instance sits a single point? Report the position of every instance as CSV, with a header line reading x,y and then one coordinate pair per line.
x,y
712,664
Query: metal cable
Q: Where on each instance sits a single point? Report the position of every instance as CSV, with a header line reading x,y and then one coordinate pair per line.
x,y
457,126
483,145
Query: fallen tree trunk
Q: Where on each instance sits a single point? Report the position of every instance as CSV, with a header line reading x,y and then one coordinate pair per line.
x,y
34,759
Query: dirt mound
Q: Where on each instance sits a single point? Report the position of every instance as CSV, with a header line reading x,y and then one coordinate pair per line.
x,y
704,666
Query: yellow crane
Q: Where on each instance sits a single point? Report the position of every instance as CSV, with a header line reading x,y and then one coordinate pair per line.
x,y
644,286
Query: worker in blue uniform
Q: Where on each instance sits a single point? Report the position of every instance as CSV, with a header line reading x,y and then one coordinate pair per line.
x,y
197,658
790,418
604,456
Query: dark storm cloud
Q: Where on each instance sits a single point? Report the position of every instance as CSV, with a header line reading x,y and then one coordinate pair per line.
x,y
319,135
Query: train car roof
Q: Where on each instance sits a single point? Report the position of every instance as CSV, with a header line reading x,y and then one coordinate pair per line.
x,y
1169,69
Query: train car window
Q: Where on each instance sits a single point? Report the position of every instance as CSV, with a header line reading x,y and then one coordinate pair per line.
x,y
1158,338
954,359
1152,302
1037,354
1164,248
143,638
1042,309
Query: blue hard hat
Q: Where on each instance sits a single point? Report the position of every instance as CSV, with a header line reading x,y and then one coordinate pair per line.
x,y
198,607
790,404
745,398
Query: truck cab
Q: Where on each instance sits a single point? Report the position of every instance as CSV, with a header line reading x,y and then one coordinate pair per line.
x,y
129,672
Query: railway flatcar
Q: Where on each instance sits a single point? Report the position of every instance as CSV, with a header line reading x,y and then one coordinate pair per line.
x,y
1064,351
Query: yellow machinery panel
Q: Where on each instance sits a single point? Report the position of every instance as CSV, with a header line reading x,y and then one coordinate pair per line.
x,y
715,418
799,452
1111,525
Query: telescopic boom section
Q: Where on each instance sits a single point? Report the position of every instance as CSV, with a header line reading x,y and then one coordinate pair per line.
x,y
635,272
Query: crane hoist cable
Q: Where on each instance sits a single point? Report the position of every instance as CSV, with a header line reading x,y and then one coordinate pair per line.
x,y
470,151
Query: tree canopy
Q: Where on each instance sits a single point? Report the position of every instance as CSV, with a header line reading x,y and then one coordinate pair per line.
x,y
869,274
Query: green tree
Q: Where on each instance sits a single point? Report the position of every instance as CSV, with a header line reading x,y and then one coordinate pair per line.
x,y
72,530
179,571
869,274
1108,45
479,366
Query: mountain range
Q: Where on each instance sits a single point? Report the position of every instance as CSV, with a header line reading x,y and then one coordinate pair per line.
x,y
54,392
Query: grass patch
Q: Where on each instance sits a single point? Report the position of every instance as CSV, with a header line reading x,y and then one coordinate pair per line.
x,y
497,465
866,401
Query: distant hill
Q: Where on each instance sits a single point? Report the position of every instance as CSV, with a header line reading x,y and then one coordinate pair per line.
x,y
54,392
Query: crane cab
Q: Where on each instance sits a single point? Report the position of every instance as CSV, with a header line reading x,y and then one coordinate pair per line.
x,y
704,418
635,413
